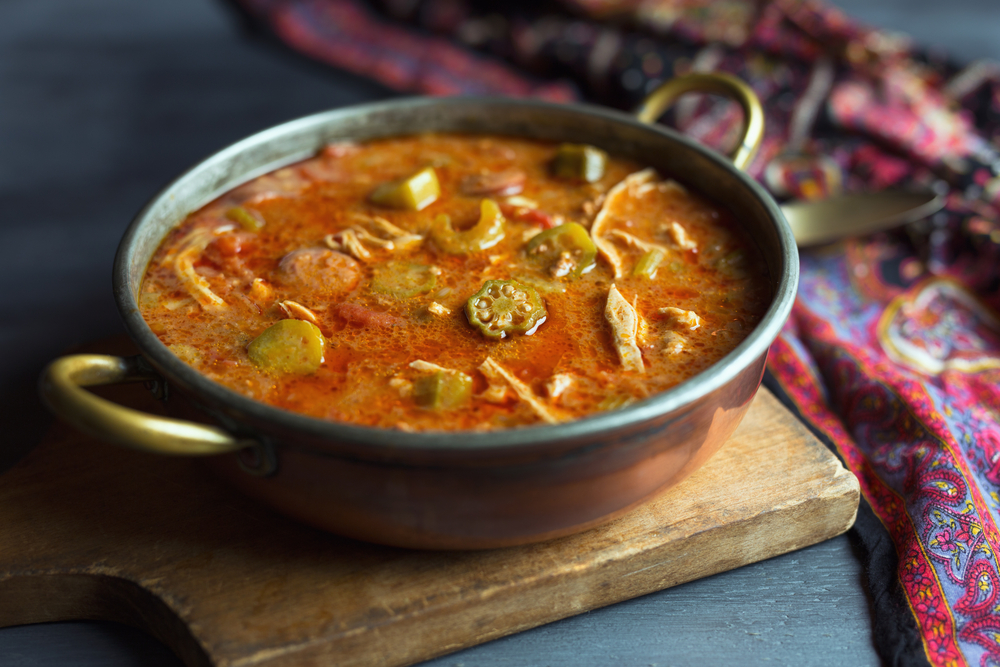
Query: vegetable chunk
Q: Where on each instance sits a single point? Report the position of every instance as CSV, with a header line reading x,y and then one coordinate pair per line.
x,y
504,307
580,162
289,346
485,234
442,390
413,193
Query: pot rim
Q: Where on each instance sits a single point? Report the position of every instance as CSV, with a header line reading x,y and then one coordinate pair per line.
x,y
590,427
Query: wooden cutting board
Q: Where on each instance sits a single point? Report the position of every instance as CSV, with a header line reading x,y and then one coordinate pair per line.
x,y
91,531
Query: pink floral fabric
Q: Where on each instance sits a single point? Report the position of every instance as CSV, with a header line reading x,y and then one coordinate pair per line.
x,y
892,352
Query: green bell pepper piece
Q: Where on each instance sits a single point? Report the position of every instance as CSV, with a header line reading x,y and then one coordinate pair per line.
x,y
485,234
566,250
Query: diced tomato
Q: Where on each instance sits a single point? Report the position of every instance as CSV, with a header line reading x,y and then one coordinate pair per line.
x,y
234,243
502,184
528,215
361,316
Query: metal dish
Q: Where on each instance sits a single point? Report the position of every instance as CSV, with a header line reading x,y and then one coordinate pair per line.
x,y
442,490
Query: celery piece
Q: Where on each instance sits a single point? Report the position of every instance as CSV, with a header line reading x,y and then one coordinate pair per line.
x,y
248,219
648,264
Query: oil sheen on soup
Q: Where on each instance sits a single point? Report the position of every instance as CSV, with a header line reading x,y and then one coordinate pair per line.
x,y
454,282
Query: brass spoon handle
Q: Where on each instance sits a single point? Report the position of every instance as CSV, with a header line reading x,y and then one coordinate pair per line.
x,y
719,83
62,390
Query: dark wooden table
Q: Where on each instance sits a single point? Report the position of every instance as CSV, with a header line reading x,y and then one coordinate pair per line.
x,y
103,101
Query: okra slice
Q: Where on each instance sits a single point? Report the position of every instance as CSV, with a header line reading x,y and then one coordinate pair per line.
x,y
289,346
402,279
580,162
648,264
566,250
505,307
486,233
442,390
413,193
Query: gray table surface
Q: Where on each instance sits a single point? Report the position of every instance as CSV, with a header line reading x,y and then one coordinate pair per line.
x,y
103,101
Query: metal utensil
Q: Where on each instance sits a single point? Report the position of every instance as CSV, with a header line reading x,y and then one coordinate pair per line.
x,y
825,220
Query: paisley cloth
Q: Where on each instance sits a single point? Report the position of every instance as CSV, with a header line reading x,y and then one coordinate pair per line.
x,y
892,352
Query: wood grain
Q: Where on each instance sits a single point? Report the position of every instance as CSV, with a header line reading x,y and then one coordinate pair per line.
x,y
92,531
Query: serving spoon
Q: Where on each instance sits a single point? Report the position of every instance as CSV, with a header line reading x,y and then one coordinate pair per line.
x,y
812,222
825,220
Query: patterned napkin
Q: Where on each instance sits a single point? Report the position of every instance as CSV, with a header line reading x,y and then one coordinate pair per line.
x,y
892,352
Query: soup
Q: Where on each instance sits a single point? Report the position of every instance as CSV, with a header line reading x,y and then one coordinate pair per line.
x,y
455,282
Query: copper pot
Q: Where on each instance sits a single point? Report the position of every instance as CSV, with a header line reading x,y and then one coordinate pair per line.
x,y
443,490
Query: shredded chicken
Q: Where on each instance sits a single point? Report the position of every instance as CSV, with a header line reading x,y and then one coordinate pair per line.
x,y
494,371
518,200
176,304
674,343
296,311
422,365
400,237
403,386
530,233
368,237
680,318
436,308
680,237
597,231
495,393
352,239
645,188
190,249
624,321
668,184
557,384
348,242
635,241
563,266
643,333
260,291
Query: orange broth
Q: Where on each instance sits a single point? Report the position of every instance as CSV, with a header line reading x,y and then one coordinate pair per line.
x,y
571,363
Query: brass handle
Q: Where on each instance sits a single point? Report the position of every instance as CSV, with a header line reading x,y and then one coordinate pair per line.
x,y
61,388
719,83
